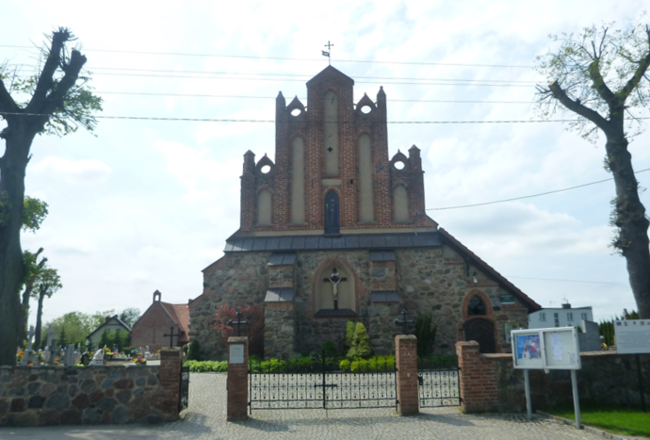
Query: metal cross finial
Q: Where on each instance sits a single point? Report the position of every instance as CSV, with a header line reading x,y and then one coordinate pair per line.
x,y
239,322
404,321
171,336
327,54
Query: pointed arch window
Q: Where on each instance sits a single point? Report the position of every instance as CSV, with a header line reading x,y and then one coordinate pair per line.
x,y
332,225
476,307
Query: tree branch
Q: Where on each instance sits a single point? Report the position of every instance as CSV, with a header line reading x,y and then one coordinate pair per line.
x,y
576,107
599,83
46,79
638,74
7,103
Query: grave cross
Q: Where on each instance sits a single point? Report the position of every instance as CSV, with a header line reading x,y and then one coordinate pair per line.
x,y
404,321
239,322
171,337
335,280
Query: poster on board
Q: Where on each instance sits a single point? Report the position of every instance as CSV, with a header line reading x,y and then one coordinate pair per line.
x,y
632,336
554,348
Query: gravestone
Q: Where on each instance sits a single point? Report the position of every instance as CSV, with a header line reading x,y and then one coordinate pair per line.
x,y
29,353
49,344
147,354
98,358
68,357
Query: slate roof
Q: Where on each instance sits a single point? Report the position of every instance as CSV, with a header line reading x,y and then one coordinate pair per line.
x,y
342,242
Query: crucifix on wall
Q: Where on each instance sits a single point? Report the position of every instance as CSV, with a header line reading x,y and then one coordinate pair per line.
x,y
335,279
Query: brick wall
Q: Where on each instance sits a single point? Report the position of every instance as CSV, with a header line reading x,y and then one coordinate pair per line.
x,y
53,395
478,379
406,362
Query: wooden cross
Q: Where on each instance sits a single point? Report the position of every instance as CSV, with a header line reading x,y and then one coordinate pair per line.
x,y
335,280
404,321
171,336
239,322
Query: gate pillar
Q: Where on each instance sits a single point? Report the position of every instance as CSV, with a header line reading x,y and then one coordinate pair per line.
x,y
237,383
406,361
478,379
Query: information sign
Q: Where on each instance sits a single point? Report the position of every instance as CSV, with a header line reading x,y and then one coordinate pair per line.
x,y
236,354
554,348
507,299
632,336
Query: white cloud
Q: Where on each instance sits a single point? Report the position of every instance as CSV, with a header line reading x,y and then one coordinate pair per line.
x,y
84,171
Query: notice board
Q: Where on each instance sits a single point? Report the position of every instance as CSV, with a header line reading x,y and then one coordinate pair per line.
x,y
632,336
553,348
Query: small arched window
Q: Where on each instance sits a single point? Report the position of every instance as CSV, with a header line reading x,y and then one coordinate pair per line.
x,y
332,213
476,307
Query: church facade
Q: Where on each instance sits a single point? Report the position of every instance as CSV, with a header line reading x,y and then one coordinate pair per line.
x,y
336,230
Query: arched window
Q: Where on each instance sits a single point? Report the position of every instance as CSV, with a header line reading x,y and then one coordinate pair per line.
x,y
332,213
400,204
264,207
476,307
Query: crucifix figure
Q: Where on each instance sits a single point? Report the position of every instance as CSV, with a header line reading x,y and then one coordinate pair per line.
x,y
335,280
327,54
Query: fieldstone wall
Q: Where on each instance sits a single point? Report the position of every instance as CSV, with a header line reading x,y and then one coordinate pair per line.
x,y
37,396
605,377
428,280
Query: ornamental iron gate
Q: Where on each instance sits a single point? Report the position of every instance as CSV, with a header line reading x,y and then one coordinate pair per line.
x,y
319,383
439,383
184,388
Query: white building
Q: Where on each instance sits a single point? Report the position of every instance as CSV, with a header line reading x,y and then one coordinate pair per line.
x,y
560,317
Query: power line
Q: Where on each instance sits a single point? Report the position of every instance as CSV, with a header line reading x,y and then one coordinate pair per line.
x,y
570,281
153,118
319,60
305,99
532,195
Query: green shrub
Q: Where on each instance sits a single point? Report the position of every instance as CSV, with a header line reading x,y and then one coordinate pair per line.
x,y
349,336
329,348
206,366
425,331
344,365
360,343
194,352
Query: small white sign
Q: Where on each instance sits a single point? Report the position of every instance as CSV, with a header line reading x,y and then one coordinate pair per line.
x,y
632,336
237,354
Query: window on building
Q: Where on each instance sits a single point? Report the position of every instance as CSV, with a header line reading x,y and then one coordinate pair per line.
x,y
569,316
476,307
542,316
332,213
584,316
556,317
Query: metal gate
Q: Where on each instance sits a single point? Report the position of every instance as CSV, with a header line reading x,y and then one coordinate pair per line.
x,y
320,383
439,384
184,388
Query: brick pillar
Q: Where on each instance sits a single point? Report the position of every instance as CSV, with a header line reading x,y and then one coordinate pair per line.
x,y
168,398
237,384
478,379
406,361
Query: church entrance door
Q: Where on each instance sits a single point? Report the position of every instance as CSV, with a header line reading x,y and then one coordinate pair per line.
x,y
481,330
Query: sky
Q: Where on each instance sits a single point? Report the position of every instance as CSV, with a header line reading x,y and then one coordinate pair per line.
x,y
144,204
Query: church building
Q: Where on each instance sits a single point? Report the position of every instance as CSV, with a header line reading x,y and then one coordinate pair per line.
x,y
335,230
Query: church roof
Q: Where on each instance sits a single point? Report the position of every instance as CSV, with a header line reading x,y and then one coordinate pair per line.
x,y
451,241
180,314
323,242
330,72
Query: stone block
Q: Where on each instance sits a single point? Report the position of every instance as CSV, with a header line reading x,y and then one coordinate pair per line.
x,y
50,418
36,402
141,381
58,401
123,384
88,385
16,391
70,416
81,401
106,404
123,396
90,416
17,405
120,415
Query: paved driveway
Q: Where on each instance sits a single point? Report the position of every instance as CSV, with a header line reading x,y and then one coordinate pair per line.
x,y
206,419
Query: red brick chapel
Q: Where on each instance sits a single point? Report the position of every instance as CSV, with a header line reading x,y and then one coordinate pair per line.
x,y
335,230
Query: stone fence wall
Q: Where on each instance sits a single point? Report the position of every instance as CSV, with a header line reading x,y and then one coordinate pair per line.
x,y
492,384
52,395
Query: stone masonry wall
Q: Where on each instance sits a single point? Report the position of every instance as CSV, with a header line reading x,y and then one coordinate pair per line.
x,y
605,377
428,280
37,396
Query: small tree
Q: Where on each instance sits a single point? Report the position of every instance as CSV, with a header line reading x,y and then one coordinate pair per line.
x,y
254,330
105,339
349,336
194,352
47,283
425,331
62,337
360,342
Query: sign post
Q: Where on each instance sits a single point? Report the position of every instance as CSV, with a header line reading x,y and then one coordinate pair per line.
x,y
547,349
633,337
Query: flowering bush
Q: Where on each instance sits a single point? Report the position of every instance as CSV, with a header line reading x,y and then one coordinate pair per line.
x,y
140,361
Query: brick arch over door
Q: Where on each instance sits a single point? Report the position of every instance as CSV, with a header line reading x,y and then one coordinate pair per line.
x,y
480,328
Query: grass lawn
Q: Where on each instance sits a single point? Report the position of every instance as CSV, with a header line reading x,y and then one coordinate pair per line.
x,y
629,421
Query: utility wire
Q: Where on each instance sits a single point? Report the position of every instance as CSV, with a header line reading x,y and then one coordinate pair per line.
x,y
571,281
320,60
152,118
530,196
304,99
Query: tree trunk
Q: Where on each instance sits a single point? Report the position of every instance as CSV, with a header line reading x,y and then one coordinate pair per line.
x,y
39,323
629,216
12,194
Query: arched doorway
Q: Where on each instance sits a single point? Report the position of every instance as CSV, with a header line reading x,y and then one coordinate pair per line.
x,y
478,326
